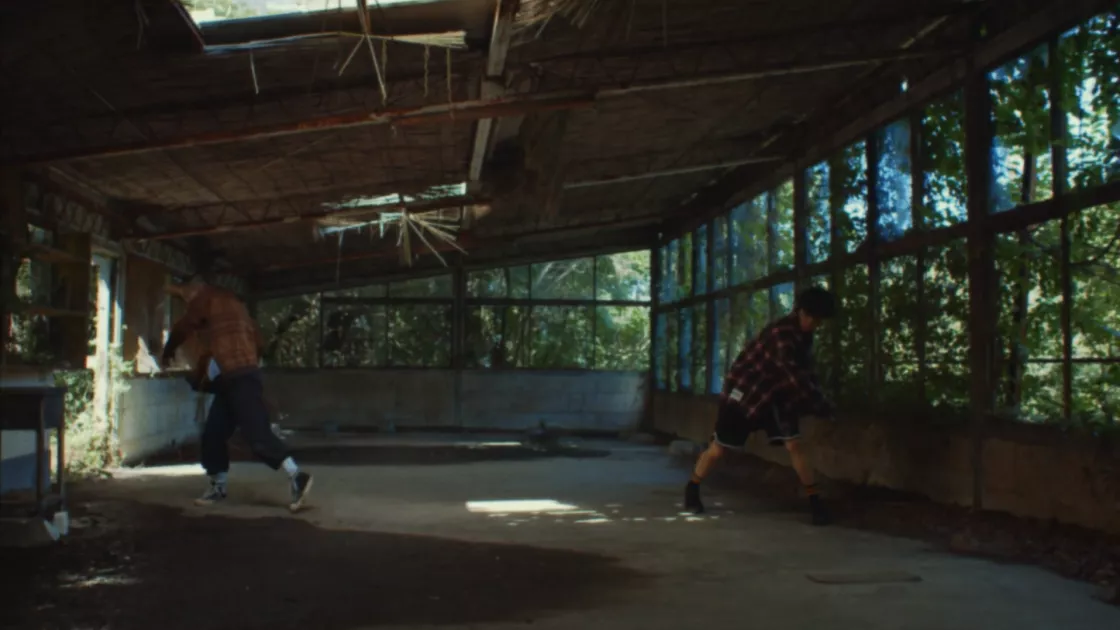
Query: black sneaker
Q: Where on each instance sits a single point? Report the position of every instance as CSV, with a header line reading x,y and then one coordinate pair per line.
x,y
301,485
692,498
820,513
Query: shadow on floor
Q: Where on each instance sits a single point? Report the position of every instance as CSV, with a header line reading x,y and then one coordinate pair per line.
x,y
387,455
155,568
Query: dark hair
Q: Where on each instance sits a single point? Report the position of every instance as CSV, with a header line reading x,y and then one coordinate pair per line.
x,y
816,302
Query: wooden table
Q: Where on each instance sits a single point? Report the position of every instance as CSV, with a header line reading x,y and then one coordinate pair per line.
x,y
38,409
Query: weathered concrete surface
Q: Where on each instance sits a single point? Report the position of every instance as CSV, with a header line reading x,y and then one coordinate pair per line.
x,y
1030,471
483,399
158,413
743,565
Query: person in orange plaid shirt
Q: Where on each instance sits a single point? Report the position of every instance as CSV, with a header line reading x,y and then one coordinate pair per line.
x,y
234,344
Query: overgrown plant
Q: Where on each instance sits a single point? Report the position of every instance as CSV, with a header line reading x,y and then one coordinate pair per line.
x,y
91,438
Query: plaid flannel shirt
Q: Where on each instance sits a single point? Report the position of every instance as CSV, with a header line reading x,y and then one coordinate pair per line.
x,y
225,328
776,369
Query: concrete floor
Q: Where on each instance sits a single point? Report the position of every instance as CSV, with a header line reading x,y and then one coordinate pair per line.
x,y
742,566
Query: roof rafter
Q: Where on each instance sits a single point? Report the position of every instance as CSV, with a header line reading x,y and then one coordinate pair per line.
x,y
475,109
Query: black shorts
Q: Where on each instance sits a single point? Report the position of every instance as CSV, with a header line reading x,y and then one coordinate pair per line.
x,y
733,427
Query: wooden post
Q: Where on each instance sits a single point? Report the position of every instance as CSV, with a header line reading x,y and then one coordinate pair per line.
x,y
800,220
13,238
1061,170
981,302
874,339
917,199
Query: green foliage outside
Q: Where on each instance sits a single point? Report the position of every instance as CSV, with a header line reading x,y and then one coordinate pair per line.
x,y
1029,265
409,323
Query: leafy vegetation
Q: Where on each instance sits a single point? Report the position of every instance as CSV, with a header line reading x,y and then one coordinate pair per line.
x,y
584,313
919,325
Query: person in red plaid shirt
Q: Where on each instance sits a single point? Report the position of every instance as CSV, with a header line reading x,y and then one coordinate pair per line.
x,y
771,387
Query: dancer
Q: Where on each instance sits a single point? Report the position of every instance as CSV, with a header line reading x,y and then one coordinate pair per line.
x,y
771,387
234,343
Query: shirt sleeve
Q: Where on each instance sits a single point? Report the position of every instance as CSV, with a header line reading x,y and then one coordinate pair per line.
x,y
197,311
799,378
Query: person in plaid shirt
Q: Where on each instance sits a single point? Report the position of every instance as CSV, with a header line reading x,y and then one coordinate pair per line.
x,y
233,346
771,387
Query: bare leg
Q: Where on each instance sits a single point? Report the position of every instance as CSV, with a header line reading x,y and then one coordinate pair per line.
x,y
800,461
707,461
704,466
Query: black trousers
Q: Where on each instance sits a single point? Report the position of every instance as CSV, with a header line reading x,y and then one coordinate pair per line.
x,y
239,404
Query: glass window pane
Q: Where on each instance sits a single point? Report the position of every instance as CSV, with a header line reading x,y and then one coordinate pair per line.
x,y
420,335
672,349
433,287
1021,165
519,282
660,372
685,358
946,313
855,327
898,349
1029,324
290,327
368,291
782,301
700,241
895,186
1095,267
496,337
944,194
748,240
700,349
849,195
623,276
561,337
672,262
749,315
564,280
1096,394
354,335
488,283
722,352
818,222
783,227
684,269
1091,102
719,253
622,338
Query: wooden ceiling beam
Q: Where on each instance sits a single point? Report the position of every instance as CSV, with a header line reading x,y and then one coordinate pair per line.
x,y
475,109
429,205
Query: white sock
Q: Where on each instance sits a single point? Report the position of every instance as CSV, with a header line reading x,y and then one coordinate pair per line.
x,y
290,467
219,480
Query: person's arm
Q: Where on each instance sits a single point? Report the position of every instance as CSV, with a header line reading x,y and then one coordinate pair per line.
x,y
187,324
799,378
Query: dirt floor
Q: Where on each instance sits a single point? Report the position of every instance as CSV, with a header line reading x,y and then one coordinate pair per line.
x,y
1068,550
434,532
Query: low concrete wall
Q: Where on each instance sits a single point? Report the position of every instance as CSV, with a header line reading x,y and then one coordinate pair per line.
x,y
1029,471
509,400
157,413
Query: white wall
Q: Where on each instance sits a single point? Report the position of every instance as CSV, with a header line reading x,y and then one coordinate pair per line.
x,y
158,413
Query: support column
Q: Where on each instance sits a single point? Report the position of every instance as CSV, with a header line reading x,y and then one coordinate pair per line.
x,y
13,238
981,269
